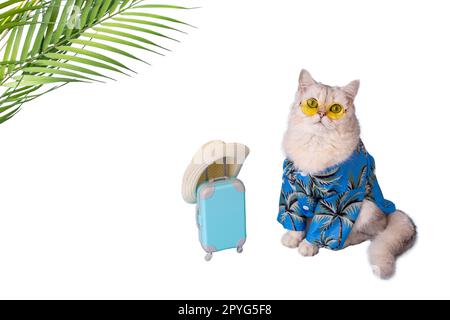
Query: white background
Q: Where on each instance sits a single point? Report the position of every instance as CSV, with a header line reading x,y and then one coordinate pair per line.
x,y
91,174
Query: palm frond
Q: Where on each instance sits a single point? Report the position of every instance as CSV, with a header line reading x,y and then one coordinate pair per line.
x,y
328,177
303,187
289,172
283,199
354,184
361,148
289,201
324,184
351,210
351,184
325,241
362,174
346,199
325,221
16,13
346,222
294,218
327,208
45,44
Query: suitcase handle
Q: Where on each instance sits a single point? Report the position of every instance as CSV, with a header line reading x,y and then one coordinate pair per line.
x,y
225,171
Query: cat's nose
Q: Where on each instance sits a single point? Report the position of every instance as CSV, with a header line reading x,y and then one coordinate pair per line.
x,y
321,114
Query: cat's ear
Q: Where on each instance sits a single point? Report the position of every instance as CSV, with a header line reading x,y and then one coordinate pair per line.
x,y
351,89
305,80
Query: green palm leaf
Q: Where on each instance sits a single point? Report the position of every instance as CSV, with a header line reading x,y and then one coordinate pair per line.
x,y
60,65
155,16
45,44
8,3
28,80
128,35
89,62
57,71
93,54
147,23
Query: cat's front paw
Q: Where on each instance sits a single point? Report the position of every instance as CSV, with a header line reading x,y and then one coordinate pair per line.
x,y
291,239
307,249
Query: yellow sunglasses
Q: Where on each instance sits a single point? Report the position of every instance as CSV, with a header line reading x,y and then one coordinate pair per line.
x,y
310,108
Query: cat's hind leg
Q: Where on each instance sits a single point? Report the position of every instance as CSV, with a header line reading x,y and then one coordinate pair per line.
x,y
371,221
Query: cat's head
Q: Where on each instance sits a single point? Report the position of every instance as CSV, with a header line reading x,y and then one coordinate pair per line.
x,y
320,108
323,129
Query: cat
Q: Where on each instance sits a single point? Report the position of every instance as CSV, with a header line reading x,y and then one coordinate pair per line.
x,y
322,143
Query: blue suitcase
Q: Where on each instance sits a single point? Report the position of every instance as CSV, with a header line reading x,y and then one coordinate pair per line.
x,y
221,215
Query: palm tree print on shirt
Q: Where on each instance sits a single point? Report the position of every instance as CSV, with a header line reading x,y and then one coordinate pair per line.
x,y
289,211
359,182
337,217
371,180
323,184
326,241
332,199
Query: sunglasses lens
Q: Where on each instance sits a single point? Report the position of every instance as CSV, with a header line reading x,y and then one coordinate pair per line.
x,y
310,107
336,111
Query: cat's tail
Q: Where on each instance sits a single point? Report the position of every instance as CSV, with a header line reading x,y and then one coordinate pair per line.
x,y
399,236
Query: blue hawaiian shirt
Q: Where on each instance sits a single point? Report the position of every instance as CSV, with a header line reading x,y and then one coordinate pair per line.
x,y
332,199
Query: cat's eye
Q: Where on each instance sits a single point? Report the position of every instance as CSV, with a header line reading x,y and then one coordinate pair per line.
x,y
310,107
335,111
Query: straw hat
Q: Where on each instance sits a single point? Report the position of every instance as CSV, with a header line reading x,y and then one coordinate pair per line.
x,y
212,156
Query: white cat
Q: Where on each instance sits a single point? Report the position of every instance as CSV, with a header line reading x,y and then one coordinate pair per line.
x,y
324,132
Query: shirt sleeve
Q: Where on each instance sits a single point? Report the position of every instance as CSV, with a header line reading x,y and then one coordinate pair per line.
x,y
289,214
295,206
373,190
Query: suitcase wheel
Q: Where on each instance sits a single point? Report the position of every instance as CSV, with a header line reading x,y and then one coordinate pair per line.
x,y
209,256
240,249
